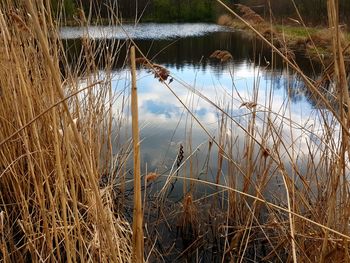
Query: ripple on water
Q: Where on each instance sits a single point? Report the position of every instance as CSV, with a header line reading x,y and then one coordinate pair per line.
x,y
142,31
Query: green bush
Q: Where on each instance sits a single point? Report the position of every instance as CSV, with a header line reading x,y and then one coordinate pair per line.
x,y
182,10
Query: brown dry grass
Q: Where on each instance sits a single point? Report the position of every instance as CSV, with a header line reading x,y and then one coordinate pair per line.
x,y
51,206
225,20
249,15
317,207
306,216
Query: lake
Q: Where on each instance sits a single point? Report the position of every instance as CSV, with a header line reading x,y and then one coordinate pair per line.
x,y
184,49
253,99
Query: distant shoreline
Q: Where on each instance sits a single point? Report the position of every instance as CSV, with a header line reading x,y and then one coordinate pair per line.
x,y
315,42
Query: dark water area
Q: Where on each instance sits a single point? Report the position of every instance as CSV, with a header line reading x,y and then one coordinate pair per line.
x,y
175,51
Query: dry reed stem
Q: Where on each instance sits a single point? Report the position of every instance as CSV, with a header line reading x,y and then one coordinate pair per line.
x,y
252,135
26,125
271,205
291,221
104,219
49,208
137,213
343,97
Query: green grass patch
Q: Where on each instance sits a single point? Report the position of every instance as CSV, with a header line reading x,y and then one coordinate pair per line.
x,y
296,31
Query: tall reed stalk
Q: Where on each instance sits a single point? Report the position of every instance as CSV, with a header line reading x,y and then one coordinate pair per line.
x,y
137,214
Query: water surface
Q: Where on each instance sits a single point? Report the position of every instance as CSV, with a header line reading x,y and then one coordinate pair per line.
x,y
206,87
184,49
152,31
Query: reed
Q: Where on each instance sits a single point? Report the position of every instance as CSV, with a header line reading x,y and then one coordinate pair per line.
x,y
52,208
301,216
279,192
137,214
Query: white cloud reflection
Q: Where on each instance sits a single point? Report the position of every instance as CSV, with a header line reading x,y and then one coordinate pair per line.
x,y
294,122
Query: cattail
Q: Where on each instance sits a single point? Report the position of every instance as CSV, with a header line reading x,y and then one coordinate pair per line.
x,y
215,54
226,57
161,73
142,61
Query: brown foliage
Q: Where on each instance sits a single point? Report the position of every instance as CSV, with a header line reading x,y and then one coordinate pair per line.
x,y
225,20
324,38
223,55
160,72
51,207
151,177
249,15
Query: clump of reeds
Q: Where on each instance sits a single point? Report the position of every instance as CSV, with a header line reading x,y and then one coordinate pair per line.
x,y
188,223
222,55
249,15
225,20
285,202
322,40
51,207
304,218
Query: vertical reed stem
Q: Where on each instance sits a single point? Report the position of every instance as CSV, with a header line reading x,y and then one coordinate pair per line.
x,y
106,225
343,98
137,238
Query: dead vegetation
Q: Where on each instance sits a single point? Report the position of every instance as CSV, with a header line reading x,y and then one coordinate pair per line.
x,y
222,55
160,72
58,200
51,206
249,15
290,39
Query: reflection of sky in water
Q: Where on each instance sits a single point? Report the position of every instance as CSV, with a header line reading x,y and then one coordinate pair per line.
x,y
164,119
157,104
164,122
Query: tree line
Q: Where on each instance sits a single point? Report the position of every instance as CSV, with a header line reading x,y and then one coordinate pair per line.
x,y
146,10
314,12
